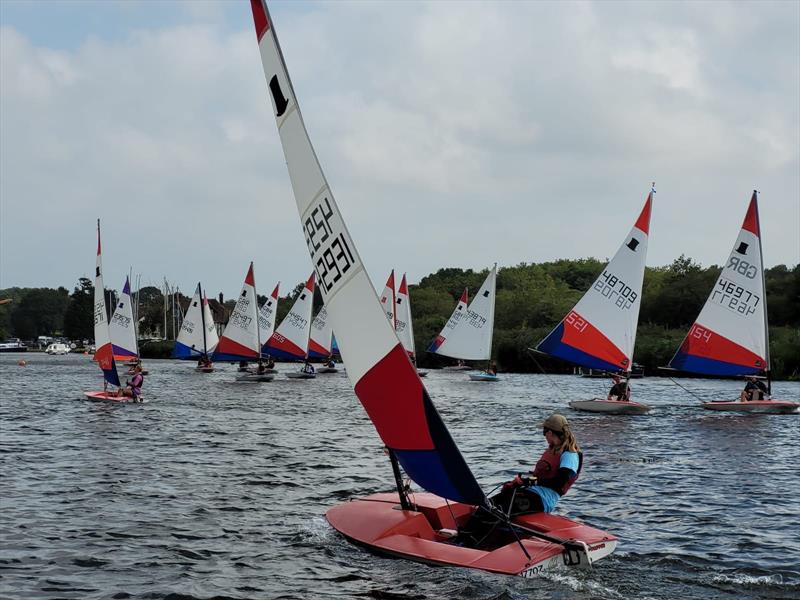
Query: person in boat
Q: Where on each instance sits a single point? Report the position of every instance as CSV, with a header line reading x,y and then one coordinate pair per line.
x,y
243,365
133,387
330,363
262,368
754,389
492,368
270,363
555,472
308,368
620,391
204,361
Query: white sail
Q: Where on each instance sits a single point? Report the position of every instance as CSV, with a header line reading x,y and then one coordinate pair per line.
x,y
191,342
600,331
266,315
729,336
321,339
290,339
104,353
212,337
122,327
239,340
403,325
388,299
470,337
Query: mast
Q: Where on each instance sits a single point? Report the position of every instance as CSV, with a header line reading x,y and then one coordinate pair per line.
x,y
405,503
258,324
764,296
491,319
203,318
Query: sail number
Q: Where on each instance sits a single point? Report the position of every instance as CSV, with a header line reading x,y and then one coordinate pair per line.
x,y
121,320
330,252
99,313
734,297
610,285
576,321
474,319
742,267
700,333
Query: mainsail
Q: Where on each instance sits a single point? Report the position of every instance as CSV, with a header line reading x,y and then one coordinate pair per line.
x,y
600,331
198,335
266,316
459,311
239,340
468,334
388,299
403,325
729,336
382,375
320,343
122,328
290,340
104,352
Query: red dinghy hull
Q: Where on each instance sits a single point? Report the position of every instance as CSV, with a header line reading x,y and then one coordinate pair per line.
x,y
426,535
779,407
610,407
101,396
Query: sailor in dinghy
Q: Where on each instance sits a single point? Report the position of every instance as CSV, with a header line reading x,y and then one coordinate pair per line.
x,y
393,395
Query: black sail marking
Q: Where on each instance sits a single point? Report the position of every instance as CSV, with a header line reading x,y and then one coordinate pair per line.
x,y
633,244
277,96
742,249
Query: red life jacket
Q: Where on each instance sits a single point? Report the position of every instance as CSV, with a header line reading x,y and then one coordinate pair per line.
x,y
547,467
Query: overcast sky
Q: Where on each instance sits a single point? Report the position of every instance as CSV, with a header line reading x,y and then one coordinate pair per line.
x,y
453,134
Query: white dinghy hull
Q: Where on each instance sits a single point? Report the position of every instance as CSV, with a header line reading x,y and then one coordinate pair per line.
x,y
609,407
768,407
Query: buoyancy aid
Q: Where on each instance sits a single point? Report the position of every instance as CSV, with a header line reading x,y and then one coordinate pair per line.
x,y
547,468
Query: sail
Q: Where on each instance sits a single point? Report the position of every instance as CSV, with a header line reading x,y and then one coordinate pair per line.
x,y
320,341
104,352
211,335
459,311
266,317
383,377
403,326
290,340
191,342
729,336
471,336
239,340
388,299
122,328
600,331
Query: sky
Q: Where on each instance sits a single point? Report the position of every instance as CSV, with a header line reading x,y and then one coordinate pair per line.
x,y
453,134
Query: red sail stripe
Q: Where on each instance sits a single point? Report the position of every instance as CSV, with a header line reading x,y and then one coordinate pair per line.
x,y
585,337
259,18
643,222
751,223
228,346
705,343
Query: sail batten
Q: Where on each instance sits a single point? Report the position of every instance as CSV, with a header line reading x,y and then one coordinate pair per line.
x,y
600,331
382,375
729,336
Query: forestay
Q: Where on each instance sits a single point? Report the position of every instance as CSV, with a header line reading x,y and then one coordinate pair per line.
x,y
468,335
239,340
382,375
104,353
600,331
729,336
320,341
403,325
198,335
266,316
290,340
122,328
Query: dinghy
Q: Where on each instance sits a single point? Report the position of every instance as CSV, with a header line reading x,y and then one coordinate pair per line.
x,y
197,337
467,335
731,335
104,353
266,325
290,339
320,342
600,331
420,526
402,322
122,330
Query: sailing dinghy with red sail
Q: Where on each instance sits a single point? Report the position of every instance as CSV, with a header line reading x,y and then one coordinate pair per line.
x,y
600,331
731,335
198,336
290,340
104,353
320,342
387,384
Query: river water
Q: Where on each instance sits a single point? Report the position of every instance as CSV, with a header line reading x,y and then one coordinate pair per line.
x,y
216,489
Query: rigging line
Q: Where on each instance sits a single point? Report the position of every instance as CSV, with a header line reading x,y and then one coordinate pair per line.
x,y
690,392
546,374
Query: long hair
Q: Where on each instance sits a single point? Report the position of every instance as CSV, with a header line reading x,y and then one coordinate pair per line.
x,y
568,442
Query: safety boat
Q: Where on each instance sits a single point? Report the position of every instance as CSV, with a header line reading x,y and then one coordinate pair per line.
x,y
600,331
198,336
731,334
424,526
468,333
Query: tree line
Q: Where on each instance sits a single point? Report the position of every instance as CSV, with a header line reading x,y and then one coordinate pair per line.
x,y
531,300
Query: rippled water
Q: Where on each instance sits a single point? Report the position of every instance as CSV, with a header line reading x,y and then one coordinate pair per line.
x,y
218,489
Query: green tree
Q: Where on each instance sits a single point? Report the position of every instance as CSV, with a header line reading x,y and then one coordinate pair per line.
x,y
79,316
40,312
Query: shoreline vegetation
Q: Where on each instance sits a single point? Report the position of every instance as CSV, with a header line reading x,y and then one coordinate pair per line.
x,y
531,300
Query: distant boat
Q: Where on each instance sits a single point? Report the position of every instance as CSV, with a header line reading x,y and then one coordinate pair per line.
x,y
320,342
731,335
600,331
469,331
198,337
403,325
418,526
266,321
57,348
13,345
290,340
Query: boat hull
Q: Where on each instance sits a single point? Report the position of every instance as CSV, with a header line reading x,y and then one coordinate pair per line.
x,y
300,375
774,407
425,535
327,370
102,396
483,377
255,377
609,407
204,369
422,373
